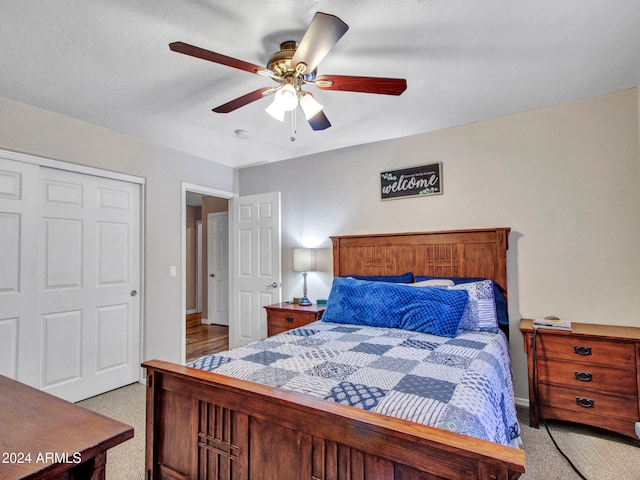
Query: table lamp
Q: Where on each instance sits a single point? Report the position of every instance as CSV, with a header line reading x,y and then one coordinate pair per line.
x,y
304,260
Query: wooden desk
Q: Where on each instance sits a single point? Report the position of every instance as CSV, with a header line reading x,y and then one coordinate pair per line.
x,y
45,437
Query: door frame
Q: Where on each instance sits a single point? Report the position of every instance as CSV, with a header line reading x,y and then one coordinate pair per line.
x,y
212,192
98,172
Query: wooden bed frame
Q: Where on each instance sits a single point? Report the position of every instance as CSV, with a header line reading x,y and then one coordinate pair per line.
x,y
201,425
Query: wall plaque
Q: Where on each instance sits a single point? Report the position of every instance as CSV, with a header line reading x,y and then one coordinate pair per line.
x,y
423,180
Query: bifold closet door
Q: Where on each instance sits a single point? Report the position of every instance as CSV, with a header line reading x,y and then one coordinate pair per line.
x,y
72,313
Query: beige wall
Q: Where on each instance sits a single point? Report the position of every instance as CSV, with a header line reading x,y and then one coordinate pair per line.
x,y
31,130
564,178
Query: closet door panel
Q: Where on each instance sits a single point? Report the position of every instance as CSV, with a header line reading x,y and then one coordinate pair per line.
x,y
69,279
19,230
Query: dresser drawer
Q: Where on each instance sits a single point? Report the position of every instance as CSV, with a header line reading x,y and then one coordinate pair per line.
x,y
585,402
588,377
582,349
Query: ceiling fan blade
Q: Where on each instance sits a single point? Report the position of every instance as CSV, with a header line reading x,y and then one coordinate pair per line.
x,y
319,121
198,52
244,100
323,33
384,86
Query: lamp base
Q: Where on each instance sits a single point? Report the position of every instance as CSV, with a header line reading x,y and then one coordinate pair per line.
x,y
305,302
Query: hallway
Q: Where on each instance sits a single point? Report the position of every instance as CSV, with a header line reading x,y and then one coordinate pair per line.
x,y
204,339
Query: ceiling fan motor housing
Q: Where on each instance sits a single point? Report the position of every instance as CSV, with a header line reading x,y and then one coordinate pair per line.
x,y
280,62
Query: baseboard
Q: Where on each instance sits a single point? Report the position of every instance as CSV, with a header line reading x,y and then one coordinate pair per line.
x,y
523,402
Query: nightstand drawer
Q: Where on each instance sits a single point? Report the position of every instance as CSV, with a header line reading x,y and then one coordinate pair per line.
x,y
289,320
585,402
583,349
285,316
588,377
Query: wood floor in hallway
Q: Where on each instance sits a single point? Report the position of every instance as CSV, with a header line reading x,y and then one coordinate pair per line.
x,y
204,339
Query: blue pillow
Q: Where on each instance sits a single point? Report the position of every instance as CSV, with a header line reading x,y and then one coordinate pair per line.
x,y
380,304
404,278
501,302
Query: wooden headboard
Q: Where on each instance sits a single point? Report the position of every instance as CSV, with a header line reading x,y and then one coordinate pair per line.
x,y
454,253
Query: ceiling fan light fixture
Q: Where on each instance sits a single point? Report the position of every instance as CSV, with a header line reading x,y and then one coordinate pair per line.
x,y
309,105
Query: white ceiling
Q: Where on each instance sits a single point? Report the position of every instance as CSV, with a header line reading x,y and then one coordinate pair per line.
x,y
107,62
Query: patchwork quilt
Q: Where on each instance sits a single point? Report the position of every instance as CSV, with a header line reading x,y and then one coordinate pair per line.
x,y
462,384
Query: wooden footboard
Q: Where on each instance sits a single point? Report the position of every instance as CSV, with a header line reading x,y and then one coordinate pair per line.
x,y
201,425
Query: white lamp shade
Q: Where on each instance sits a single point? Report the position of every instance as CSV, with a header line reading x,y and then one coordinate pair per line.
x,y
304,259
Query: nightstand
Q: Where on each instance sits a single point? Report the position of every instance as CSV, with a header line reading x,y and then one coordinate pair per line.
x,y
589,375
285,316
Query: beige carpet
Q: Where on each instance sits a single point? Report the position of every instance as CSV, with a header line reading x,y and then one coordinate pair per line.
x,y
600,455
127,404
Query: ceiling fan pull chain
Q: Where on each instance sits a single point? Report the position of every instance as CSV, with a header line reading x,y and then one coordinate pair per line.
x,y
293,125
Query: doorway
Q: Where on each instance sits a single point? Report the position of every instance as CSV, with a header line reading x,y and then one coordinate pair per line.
x,y
201,333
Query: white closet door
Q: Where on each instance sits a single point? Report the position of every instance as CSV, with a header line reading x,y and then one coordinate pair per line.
x,y
18,269
79,330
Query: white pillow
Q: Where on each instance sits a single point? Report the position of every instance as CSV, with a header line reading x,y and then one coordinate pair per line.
x,y
438,282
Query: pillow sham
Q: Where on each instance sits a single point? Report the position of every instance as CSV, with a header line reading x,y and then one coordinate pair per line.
x,y
480,314
381,304
501,302
404,278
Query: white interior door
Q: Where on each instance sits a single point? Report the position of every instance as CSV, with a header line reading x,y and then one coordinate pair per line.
x,y
218,271
78,239
255,253
18,269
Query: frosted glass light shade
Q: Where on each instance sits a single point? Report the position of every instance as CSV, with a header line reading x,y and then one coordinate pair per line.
x,y
310,105
285,100
304,259
275,109
288,97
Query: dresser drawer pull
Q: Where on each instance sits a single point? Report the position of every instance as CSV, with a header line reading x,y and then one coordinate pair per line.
x,y
580,350
585,402
583,376
289,319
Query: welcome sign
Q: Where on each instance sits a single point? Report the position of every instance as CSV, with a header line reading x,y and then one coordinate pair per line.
x,y
423,180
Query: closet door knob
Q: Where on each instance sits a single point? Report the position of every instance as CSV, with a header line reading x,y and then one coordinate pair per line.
x,y
133,293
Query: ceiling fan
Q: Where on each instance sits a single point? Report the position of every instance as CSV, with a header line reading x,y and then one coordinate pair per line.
x,y
293,67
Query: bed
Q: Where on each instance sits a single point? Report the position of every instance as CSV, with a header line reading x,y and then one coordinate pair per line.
x,y
206,425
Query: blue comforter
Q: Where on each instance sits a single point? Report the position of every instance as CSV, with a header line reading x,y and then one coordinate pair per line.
x,y
462,384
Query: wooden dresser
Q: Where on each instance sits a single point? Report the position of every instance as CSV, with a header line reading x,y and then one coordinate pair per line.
x,y
589,375
45,437
285,316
